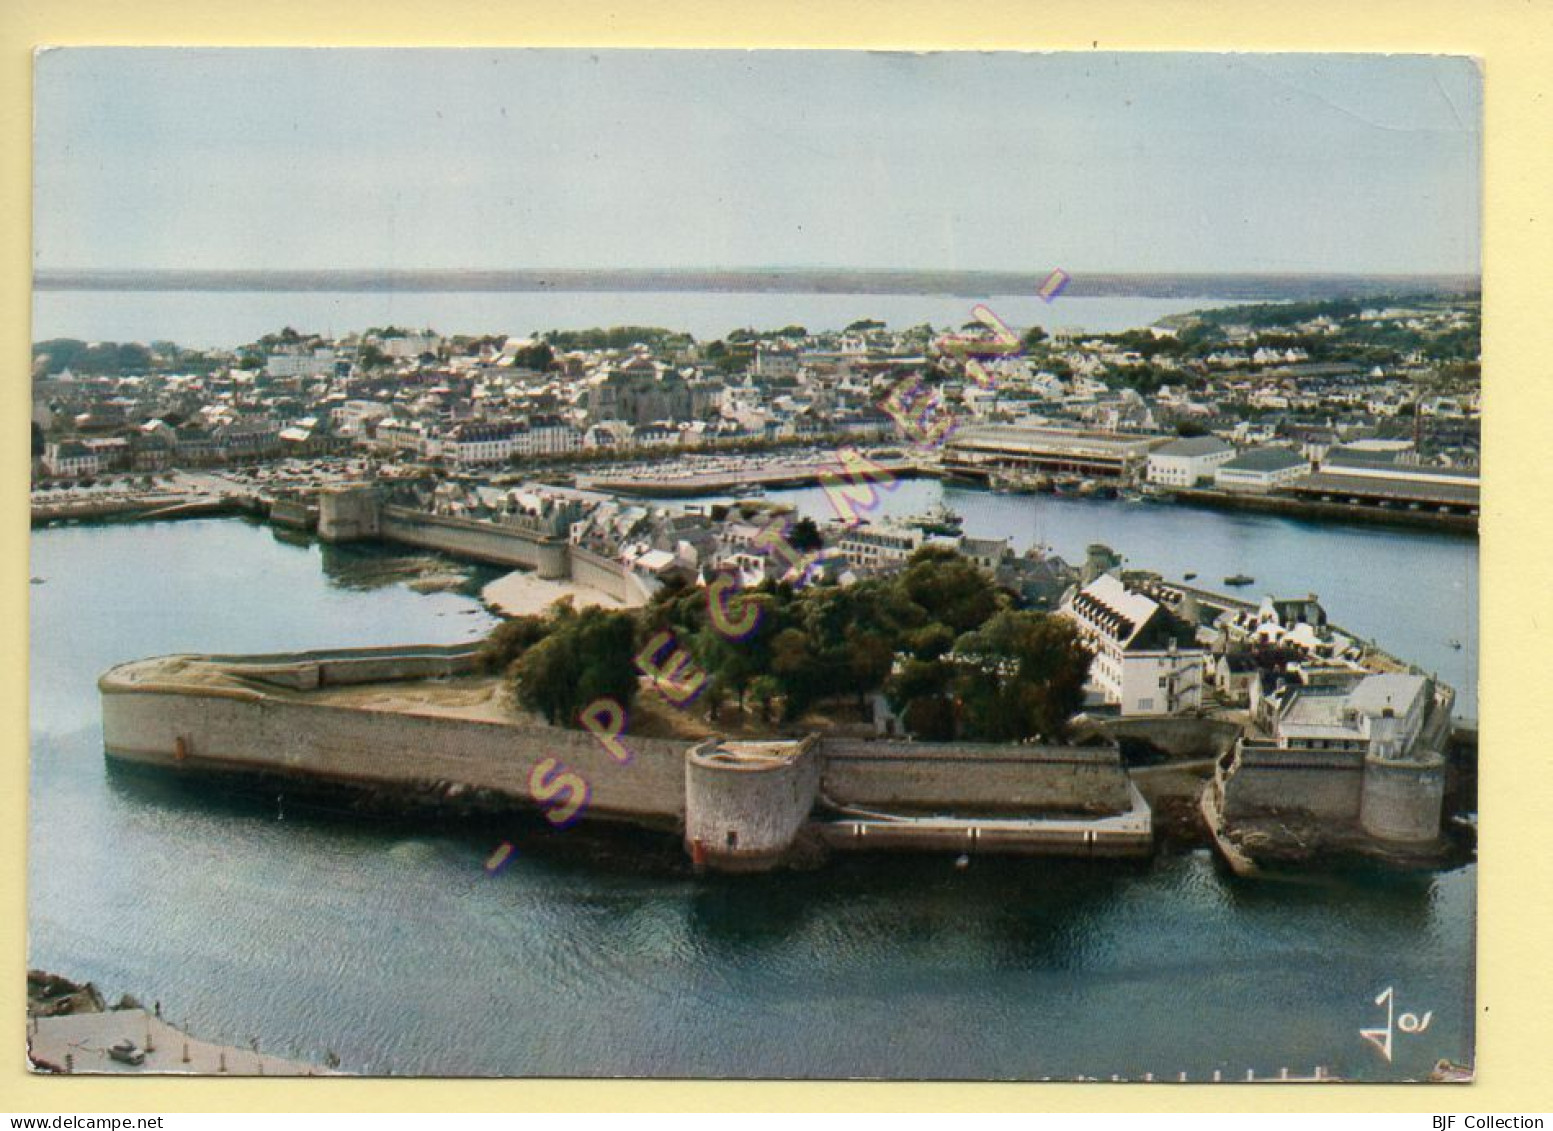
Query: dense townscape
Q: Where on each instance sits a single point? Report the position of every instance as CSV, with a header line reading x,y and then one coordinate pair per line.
x,y
1387,383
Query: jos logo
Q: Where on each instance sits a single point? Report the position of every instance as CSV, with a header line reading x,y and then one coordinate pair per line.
x,y
1383,1038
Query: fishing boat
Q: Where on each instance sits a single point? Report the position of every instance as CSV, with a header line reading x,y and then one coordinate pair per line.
x,y
1190,577
1239,579
938,520
1014,485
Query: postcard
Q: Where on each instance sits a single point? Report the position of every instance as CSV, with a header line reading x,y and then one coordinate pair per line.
x,y
755,564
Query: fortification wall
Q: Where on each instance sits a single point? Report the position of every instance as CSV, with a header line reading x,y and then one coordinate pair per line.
x,y
742,815
349,514
177,715
294,514
483,541
305,672
613,578
245,731
1179,737
1323,783
936,776
1403,801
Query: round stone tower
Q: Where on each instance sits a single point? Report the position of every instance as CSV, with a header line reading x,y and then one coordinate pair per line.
x,y
746,801
1402,798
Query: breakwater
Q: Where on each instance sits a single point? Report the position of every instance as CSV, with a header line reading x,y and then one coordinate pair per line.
x,y
143,508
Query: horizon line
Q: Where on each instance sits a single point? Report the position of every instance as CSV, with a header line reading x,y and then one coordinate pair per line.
x,y
848,280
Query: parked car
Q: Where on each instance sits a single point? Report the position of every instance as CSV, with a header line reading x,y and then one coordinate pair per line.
x,y
127,1052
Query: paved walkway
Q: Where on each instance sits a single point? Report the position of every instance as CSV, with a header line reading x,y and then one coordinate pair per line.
x,y
84,1038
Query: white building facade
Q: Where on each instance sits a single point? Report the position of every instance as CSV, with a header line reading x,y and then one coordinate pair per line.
x,y
1188,462
1140,665
1264,469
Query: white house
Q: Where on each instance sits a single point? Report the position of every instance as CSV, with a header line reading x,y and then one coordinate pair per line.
x,y
410,346
775,362
1188,462
396,434
71,458
549,434
882,546
1382,715
1261,469
481,443
295,362
1146,661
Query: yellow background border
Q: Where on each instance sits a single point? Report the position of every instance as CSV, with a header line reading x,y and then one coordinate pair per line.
x,y
1511,38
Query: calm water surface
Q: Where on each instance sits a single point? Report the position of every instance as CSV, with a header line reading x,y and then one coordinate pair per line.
x,y
389,946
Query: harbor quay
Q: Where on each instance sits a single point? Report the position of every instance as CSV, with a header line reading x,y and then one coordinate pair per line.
x,y
84,1043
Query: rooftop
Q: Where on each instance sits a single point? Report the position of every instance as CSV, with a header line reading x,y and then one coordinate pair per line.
x,y
1266,459
1194,446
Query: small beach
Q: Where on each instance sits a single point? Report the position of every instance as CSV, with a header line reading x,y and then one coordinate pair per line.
x,y
522,593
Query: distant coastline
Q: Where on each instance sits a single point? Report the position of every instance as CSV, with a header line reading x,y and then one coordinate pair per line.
x,y
1244,287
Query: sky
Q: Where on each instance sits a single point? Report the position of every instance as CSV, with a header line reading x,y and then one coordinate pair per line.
x,y
333,158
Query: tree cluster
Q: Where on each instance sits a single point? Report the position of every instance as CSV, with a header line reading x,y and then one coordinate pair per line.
x,y
617,337
939,639
560,662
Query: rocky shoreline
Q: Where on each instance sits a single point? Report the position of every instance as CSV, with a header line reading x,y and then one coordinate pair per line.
x,y
53,995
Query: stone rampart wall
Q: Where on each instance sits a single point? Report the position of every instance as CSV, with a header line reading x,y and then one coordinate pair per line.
x,y
248,731
612,578
461,537
1323,783
1014,778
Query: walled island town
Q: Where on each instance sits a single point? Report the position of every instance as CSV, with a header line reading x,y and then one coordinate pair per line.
x,y
686,654
619,564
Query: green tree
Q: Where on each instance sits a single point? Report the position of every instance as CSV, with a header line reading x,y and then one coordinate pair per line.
x,y
805,536
953,589
583,656
919,693
510,639
1020,676
766,690
371,357
539,357
869,661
